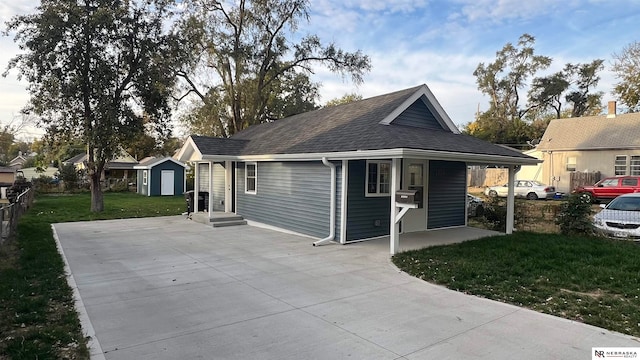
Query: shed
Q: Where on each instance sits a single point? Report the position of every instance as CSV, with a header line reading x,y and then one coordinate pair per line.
x,y
161,176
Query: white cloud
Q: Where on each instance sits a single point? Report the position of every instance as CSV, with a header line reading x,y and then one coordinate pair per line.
x,y
497,11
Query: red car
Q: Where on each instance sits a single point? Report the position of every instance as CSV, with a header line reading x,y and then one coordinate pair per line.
x,y
609,188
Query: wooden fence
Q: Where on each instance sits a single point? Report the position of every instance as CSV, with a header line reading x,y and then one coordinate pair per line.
x,y
482,177
583,178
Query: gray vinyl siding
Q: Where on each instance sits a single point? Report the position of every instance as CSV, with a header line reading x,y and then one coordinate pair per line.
x,y
203,177
447,194
218,187
362,211
418,115
290,195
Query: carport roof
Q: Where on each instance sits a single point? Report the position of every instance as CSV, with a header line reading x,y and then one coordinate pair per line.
x,y
365,125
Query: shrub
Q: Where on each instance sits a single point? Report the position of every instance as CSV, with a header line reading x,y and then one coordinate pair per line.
x,y
575,217
495,214
69,176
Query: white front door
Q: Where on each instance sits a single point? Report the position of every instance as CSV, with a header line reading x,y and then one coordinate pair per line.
x,y
415,178
167,182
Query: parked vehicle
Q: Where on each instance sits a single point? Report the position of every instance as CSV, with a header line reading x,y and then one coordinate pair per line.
x,y
609,188
475,206
529,189
620,218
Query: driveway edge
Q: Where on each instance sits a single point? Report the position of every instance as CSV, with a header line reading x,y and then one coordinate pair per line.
x,y
95,350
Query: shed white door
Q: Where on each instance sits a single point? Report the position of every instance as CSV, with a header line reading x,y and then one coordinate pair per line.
x,y
415,179
166,182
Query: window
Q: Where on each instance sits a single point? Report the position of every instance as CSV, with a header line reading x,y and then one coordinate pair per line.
x,y
630,182
620,165
250,178
571,163
609,182
634,166
144,177
378,180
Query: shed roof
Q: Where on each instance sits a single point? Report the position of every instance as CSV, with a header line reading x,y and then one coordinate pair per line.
x,y
152,161
592,133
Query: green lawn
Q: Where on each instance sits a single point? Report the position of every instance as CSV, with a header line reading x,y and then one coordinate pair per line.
x,y
592,280
37,315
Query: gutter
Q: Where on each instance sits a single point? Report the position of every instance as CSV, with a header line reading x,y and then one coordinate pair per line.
x,y
332,216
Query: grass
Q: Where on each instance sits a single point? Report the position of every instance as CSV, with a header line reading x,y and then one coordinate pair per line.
x,y
587,279
37,315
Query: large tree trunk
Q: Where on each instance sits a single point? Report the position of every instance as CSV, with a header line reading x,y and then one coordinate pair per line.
x,y
97,199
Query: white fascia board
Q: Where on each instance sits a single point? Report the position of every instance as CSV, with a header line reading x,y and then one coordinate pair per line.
x,y
159,161
431,103
383,154
189,151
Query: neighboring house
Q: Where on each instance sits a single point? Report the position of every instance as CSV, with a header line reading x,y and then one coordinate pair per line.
x,y
161,176
7,176
609,144
18,161
334,173
33,173
121,167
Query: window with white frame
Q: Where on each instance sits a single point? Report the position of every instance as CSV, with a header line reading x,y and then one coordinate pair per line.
x,y
145,176
571,163
250,178
634,165
378,180
620,167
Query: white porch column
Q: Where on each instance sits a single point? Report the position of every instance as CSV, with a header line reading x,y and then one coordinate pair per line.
x,y
394,231
210,206
510,199
227,186
196,181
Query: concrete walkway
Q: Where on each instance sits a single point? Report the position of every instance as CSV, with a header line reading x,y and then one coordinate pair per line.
x,y
169,288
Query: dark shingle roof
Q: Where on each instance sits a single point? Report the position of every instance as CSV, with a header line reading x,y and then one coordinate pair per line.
x,y
348,127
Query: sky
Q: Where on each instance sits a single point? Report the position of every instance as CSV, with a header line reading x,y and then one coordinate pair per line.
x,y
413,42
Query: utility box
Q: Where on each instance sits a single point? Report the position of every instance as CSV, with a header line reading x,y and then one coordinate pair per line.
x,y
406,196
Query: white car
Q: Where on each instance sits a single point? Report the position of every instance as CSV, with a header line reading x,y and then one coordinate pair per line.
x,y
620,218
529,189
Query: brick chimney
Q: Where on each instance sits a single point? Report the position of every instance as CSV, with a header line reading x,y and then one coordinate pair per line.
x,y
612,110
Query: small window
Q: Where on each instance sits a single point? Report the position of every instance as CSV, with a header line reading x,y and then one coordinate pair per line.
x,y
634,165
621,165
571,163
630,182
609,182
144,177
378,181
250,178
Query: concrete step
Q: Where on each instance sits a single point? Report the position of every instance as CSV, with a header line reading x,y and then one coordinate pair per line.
x,y
226,218
228,223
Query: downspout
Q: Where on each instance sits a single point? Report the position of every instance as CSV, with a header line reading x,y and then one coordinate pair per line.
x,y
332,216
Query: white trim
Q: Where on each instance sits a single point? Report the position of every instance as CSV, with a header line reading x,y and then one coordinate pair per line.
x,y
196,185
210,202
343,202
189,151
159,161
383,153
279,229
235,187
378,182
145,177
255,183
394,228
366,239
149,184
427,97
227,186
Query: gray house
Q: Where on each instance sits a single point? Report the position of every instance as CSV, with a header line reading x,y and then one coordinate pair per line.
x,y
160,176
333,174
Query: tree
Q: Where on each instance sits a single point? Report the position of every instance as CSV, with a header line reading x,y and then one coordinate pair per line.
x,y
585,78
502,79
626,67
345,99
94,66
246,47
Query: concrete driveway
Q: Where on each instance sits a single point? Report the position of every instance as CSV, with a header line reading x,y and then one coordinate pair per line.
x,y
169,288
